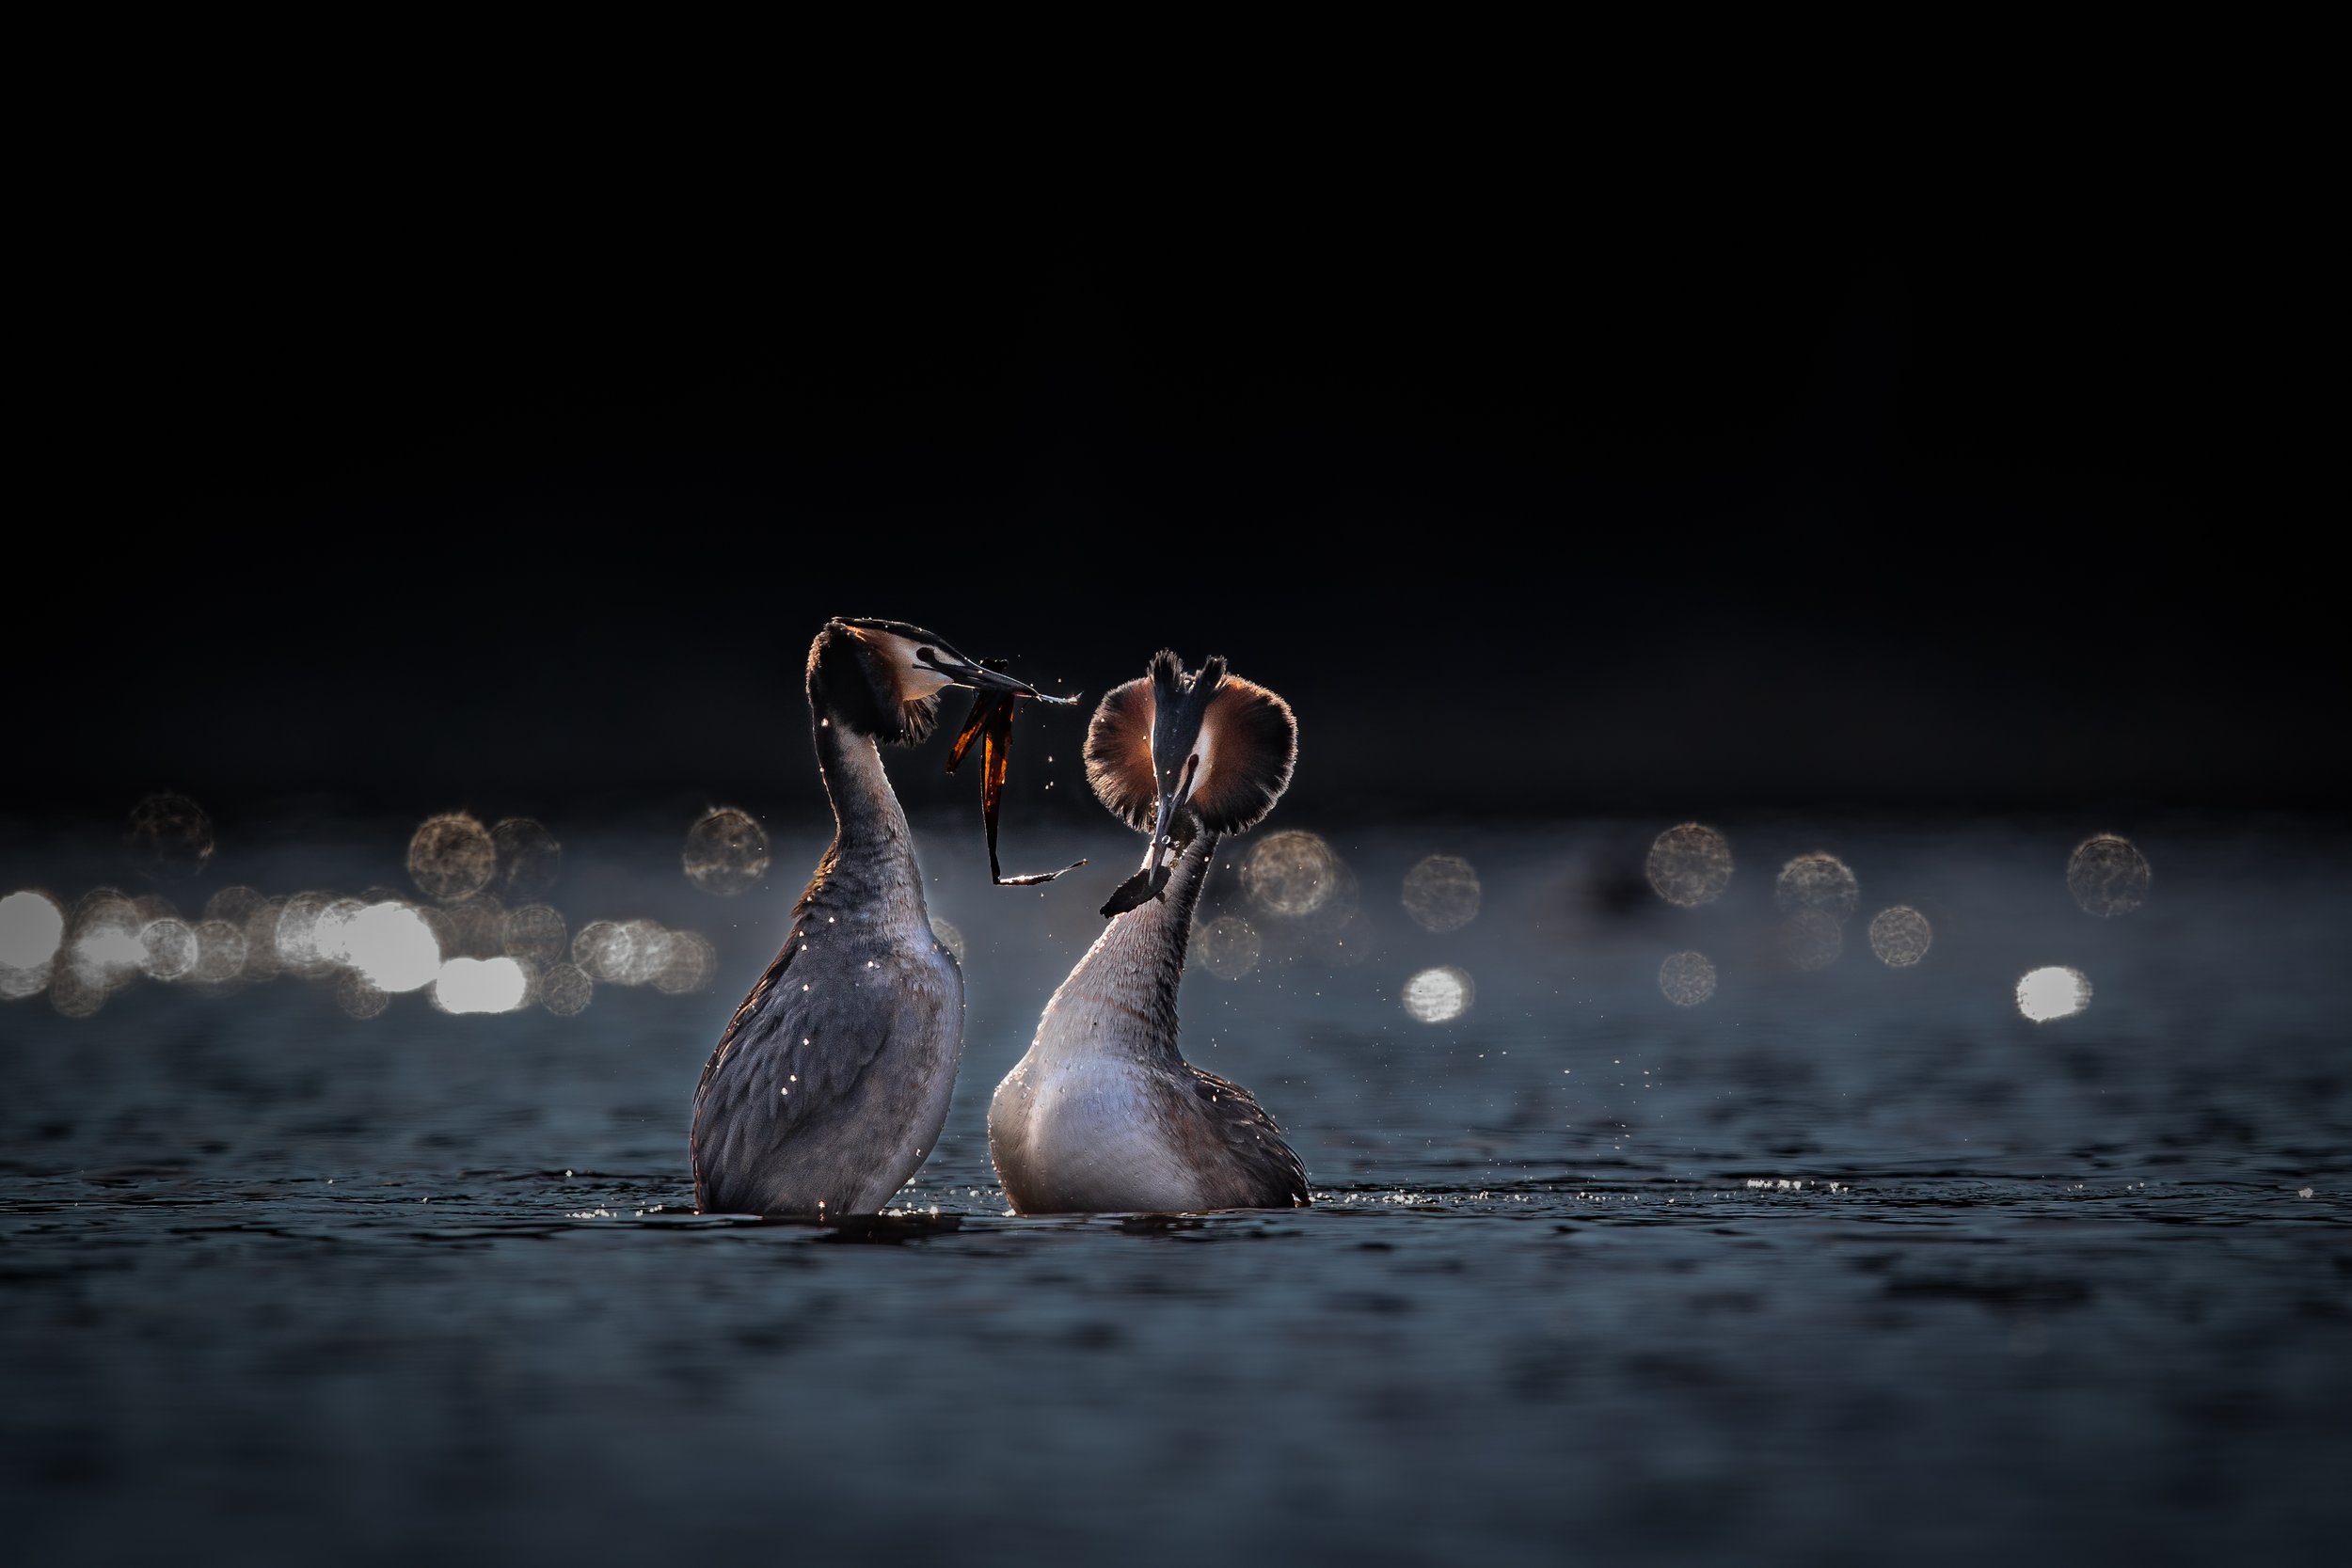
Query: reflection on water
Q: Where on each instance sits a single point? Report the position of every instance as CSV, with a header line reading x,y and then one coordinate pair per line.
x,y
1850,1264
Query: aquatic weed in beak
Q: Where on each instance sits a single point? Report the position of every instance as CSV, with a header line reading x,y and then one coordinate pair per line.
x,y
990,722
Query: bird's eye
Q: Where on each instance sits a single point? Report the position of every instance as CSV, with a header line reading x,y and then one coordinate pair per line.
x,y
927,656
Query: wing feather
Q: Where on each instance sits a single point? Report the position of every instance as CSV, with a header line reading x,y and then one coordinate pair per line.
x,y
1253,1141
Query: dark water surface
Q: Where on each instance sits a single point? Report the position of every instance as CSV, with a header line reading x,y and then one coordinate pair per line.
x,y
1839,1266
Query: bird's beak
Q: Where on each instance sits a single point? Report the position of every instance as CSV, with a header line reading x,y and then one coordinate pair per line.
x,y
1173,794
1148,884
978,676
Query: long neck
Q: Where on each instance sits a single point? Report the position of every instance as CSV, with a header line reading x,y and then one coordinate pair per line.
x,y
870,867
1122,998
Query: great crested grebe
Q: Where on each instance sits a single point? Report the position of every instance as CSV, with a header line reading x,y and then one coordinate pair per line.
x,y
1103,1114
830,1085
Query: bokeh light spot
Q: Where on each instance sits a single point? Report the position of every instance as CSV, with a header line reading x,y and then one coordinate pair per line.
x,y
1690,866
1817,881
234,904
392,947
2108,875
452,856
1686,980
529,860
328,933
726,851
649,946
1229,947
297,935
169,835
472,927
688,962
32,927
536,932
168,949
1347,941
220,951
948,937
1810,939
1438,995
1899,936
2053,991
481,985
564,990
102,948
360,996
73,995
1290,873
601,948
1441,893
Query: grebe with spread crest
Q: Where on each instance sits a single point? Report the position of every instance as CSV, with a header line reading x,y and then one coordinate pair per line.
x,y
1103,1114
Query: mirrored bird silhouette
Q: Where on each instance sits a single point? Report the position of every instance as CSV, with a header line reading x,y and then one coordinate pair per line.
x,y
830,1085
1103,1114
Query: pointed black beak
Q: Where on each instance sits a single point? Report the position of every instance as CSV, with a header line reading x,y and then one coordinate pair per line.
x,y
978,676
1173,794
1146,885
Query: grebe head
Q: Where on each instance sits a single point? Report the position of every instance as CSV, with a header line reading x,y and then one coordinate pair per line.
x,y
1171,753
882,678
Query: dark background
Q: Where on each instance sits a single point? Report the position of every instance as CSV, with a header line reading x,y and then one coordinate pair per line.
x,y
1574,477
